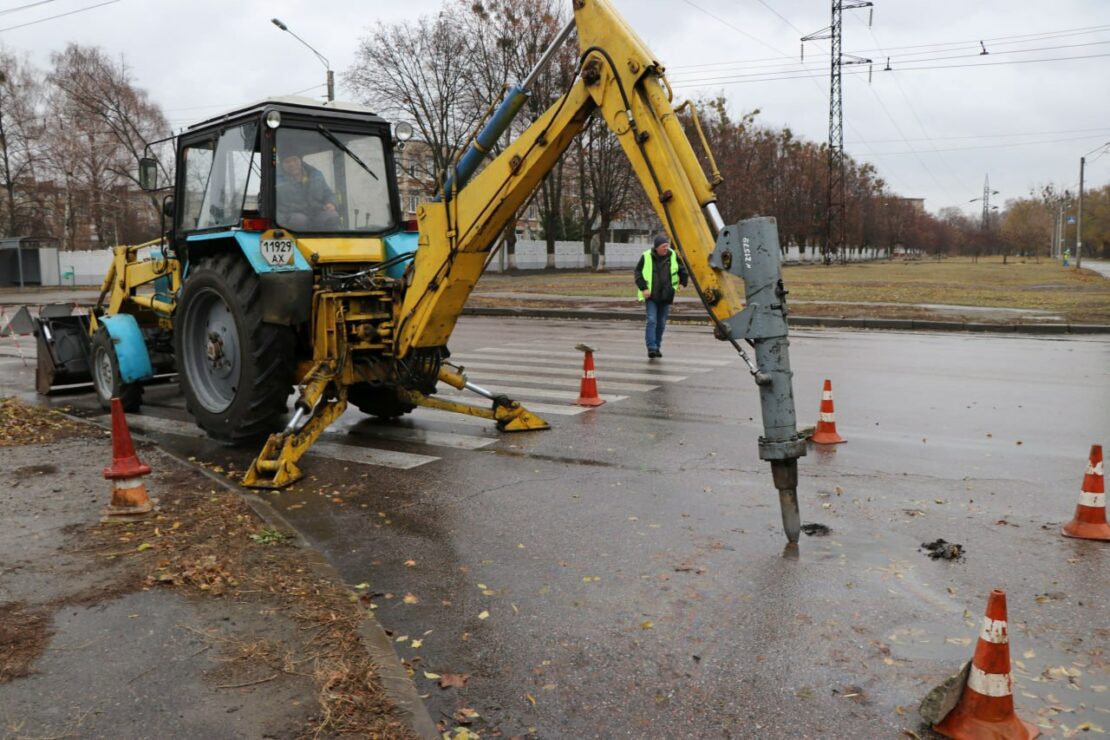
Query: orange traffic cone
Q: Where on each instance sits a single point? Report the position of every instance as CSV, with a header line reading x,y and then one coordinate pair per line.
x,y
985,710
129,496
825,434
587,394
1090,515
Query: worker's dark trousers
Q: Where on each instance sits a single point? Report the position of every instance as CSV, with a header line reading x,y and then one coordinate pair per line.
x,y
656,322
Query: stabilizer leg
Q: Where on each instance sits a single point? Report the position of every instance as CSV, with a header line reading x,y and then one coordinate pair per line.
x,y
276,465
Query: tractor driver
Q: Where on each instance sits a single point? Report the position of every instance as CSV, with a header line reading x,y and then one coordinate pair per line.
x,y
305,201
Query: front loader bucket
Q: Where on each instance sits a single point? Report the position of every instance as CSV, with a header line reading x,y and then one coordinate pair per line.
x,y
63,352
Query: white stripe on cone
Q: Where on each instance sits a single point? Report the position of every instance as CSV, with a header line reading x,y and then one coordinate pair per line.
x,y
124,483
827,417
1094,500
989,684
1094,469
588,374
826,395
994,631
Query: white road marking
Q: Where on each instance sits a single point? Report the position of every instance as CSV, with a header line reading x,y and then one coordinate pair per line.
x,y
491,378
369,455
519,393
671,362
419,436
568,371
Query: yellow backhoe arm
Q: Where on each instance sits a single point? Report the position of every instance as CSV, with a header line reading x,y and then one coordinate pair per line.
x,y
735,270
618,78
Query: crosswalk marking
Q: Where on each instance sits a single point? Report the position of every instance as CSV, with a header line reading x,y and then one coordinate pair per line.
x,y
568,371
370,455
697,362
519,392
347,452
386,430
499,377
546,409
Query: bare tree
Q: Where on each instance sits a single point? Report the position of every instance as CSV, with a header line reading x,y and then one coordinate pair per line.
x,y
510,37
607,186
20,142
420,72
103,93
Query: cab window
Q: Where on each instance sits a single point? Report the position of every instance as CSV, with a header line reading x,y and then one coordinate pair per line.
x,y
222,179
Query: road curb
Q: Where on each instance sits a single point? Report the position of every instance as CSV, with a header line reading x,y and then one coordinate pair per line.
x,y
394,679
830,322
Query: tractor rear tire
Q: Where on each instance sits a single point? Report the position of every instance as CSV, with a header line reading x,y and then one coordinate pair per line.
x,y
378,400
106,377
236,370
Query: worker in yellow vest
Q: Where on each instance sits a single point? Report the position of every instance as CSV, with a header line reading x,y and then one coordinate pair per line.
x,y
659,274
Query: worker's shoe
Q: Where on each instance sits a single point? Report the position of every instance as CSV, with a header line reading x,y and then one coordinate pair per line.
x,y
653,353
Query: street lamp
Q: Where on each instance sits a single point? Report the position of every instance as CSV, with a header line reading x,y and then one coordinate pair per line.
x,y
321,57
1079,212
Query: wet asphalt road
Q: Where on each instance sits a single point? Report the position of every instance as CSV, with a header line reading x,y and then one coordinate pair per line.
x,y
629,563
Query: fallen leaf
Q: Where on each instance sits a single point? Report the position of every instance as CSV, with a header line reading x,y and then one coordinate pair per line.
x,y
402,638
453,680
465,715
144,546
411,599
410,563
484,614
647,625
531,699
417,643
362,586
431,676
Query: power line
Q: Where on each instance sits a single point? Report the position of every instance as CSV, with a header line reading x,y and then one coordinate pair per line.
x,y
890,68
951,172
24,7
1001,146
812,78
738,79
993,136
935,47
735,28
59,15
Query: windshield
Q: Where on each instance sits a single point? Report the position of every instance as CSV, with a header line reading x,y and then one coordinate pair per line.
x,y
331,180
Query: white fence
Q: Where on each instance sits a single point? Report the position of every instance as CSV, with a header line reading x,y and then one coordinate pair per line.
x,y
89,266
84,267
532,255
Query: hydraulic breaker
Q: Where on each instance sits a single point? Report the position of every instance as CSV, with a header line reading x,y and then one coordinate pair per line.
x,y
750,250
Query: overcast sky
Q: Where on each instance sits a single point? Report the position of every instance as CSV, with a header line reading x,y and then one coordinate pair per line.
x,y
931,133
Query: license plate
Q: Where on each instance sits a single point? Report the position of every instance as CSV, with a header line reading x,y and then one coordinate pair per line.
x,y
277,252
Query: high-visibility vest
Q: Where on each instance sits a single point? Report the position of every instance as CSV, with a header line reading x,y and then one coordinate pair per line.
x,y
648,269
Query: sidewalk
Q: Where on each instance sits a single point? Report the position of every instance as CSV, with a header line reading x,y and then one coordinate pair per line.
x,y
200,621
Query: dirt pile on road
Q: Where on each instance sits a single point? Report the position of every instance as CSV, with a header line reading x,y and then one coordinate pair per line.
x,y
940,549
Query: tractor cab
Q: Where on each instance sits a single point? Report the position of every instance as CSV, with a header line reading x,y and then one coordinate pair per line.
x,y
292,165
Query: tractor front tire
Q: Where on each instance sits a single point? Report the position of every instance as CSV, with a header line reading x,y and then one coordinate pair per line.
x,y
236,370
381,401
106,377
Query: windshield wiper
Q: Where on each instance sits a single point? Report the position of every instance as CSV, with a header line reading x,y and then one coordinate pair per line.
x,y
335,140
